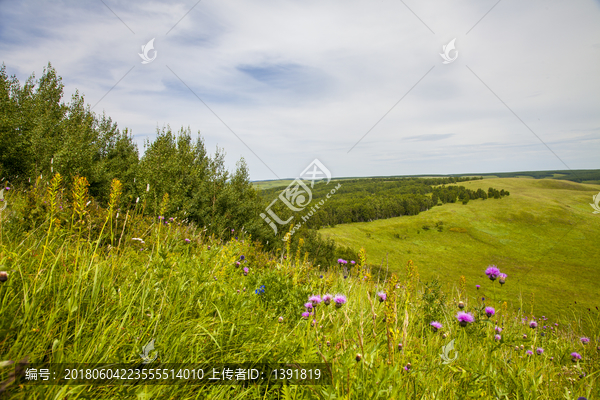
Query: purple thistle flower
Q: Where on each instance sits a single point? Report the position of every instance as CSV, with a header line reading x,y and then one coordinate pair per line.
x,y
339,300
502,278
382,296
237,263
533,324
489,311
305,314
576,356
327,299
160,217
529,352
539,351
187,240
340,261
436,325
464,318
498,329
585,340
497,337
246,271
309,306
492,272
315,300
477,286
352,262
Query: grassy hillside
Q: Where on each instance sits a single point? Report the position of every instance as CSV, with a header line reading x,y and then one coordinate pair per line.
x,y
544,236
91,285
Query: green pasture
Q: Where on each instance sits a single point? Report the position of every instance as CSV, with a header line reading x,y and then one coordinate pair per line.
x,y
544,236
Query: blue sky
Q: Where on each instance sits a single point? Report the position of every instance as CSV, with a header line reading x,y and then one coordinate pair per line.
x,y
299,80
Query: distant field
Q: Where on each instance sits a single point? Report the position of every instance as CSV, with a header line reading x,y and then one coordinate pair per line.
x,y
271,184
544,236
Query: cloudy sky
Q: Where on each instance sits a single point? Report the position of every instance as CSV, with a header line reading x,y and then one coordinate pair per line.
x,y
359,85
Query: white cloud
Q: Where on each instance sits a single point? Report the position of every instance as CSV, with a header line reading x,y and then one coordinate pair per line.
x,y
303,80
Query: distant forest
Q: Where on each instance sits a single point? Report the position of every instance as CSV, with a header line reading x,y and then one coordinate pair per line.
x,y
574,175
362,200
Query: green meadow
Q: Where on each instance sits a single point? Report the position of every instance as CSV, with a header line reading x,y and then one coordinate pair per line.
x,y
91,285
544,236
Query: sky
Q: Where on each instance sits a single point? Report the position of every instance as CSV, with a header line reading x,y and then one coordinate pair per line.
x,y
359,85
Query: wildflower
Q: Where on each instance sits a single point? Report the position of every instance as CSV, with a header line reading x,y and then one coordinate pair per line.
x,y
522,347
358,357
321,276
483,299
237,263
352,262
246,271
327,299
260,290
585,340
492,272
461,305
497,337
313,323
502,279
529,352
524,336
539,351
171,219
345,276
315,300
309,306
160,217
576,356
339,300
399,346
382,296
208,248
445,335
498,329
436,325
187,240
305,314
328,343
551,358
407,368
340,261
516,348
533,324
477,286
464,318
242,257
233,230
3,276
489,311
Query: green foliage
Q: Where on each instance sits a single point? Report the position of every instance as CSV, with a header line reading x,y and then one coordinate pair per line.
x,y
86,301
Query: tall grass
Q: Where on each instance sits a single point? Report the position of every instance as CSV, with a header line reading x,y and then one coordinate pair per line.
x,y
100,297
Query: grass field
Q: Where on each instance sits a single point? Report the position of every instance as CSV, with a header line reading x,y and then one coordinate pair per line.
x,y
544,236
85,286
